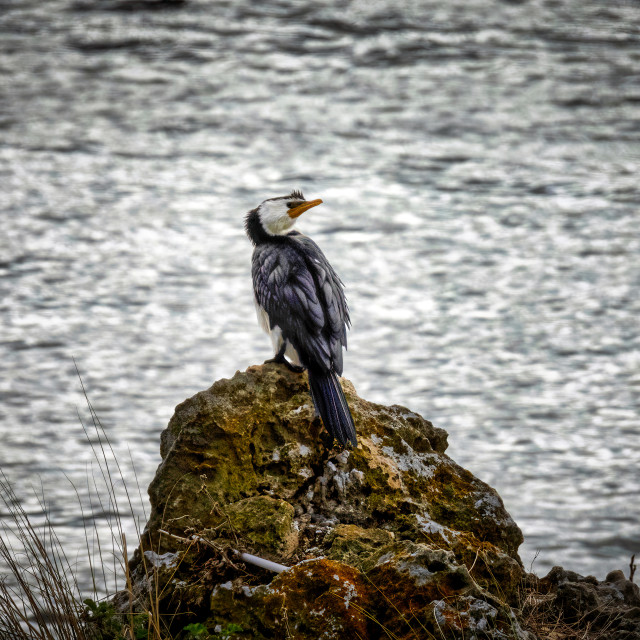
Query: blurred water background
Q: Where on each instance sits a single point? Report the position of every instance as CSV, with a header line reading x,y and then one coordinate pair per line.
x,y
479,166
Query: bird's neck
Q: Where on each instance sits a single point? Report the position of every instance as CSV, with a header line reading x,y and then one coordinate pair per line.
x,y
257,233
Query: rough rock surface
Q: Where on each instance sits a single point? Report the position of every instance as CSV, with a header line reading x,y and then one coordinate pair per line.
x,y
389,539
609,608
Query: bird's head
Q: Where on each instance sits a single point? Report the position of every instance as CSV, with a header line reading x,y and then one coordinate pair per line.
x,y
278,215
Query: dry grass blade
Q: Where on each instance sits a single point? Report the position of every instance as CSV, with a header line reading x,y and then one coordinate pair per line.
x,y
40,599
105,456
540,615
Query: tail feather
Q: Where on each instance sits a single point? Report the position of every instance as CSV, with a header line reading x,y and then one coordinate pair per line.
x,y
332,406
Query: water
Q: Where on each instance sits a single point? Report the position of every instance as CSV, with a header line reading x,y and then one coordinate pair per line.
x,y
479,167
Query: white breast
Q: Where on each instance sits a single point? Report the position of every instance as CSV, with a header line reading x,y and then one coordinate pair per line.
x,y
263,317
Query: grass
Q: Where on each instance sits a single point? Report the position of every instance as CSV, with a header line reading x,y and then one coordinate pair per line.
x,y
41,598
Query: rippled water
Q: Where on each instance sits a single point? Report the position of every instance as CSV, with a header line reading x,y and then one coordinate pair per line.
x,y
479,167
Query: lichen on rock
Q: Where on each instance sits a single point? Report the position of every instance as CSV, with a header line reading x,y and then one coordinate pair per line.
x,y
389,537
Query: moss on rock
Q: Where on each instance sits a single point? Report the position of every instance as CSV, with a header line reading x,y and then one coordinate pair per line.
x,y
266,523
246,464
354,545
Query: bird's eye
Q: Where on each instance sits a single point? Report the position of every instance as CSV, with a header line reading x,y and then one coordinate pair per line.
x,y
290,205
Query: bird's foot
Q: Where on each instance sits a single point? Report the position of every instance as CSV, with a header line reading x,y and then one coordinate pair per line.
x,y
280,359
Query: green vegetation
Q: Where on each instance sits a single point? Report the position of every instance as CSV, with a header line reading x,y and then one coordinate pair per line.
x,y
198,630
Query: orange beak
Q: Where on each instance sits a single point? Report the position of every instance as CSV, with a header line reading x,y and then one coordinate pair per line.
x,y
301,208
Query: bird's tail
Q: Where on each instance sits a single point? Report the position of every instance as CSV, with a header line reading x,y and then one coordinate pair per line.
x,y
332,406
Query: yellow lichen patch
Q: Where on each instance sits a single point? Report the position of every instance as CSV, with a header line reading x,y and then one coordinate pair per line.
x,y
375,460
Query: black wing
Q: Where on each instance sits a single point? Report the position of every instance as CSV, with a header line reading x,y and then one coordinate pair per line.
x,y
302,294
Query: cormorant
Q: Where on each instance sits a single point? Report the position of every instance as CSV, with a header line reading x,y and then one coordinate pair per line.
x,y
300,303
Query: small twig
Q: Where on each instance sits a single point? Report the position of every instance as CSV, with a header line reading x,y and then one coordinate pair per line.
x,y
632,567
175,537
263,563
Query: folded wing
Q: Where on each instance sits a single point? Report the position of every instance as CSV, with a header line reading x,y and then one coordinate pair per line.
x,y
301,293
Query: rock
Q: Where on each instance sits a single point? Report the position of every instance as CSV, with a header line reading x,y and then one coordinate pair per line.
x,y
266,523
611,606
431,586
354,545
315,598
391,537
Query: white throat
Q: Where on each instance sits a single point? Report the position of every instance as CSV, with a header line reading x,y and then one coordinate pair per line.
x,y
275,218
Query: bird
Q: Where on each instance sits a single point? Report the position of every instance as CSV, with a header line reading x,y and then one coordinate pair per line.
x,y
300,303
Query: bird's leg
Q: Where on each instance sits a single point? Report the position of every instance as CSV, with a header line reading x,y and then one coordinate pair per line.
x,y
280,359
